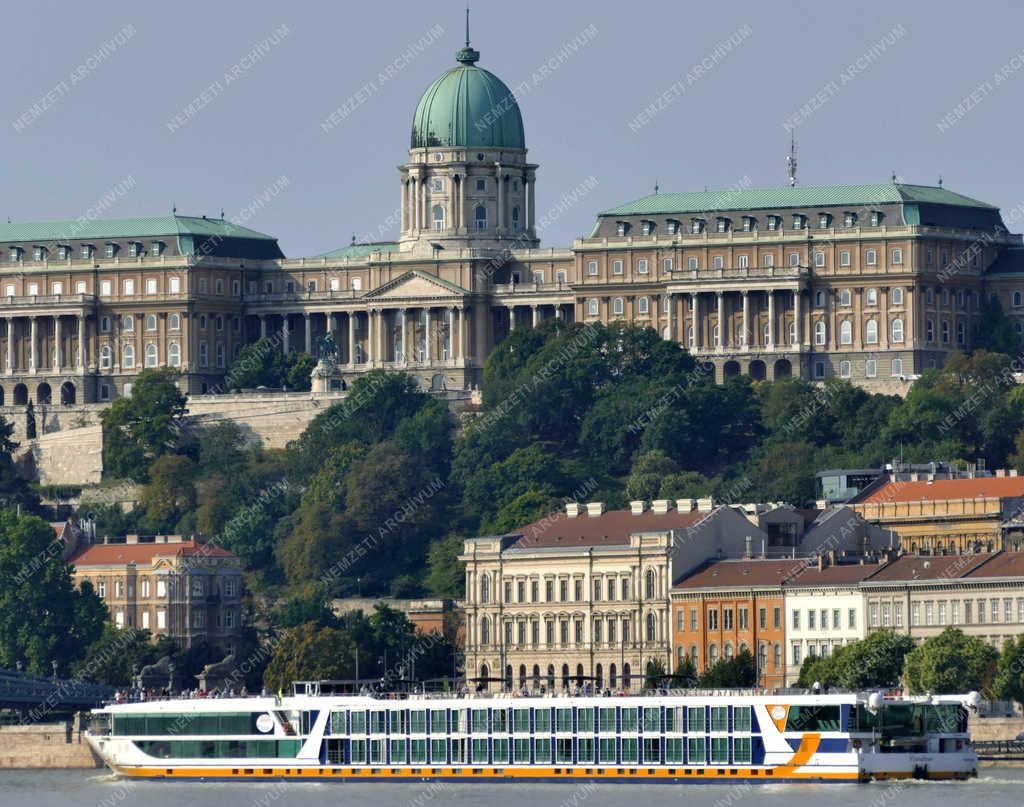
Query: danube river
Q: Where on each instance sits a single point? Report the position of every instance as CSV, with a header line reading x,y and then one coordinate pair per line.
x,y
995,787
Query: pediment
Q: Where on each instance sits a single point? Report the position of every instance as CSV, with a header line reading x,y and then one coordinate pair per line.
x,y
416,284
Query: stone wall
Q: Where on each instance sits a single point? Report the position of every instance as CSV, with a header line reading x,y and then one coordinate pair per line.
x,y
67,457
995,728
45,746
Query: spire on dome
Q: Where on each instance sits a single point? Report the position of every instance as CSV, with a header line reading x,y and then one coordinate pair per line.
x,y
467,55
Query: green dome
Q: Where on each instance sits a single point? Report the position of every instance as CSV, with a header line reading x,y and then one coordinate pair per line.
x,y
468,106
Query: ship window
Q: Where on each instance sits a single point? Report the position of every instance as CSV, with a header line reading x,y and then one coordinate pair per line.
x,y
741,718
719,718
741,750
695,751
813,718
695,718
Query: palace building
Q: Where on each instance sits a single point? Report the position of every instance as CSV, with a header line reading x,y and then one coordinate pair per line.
x,y
874,283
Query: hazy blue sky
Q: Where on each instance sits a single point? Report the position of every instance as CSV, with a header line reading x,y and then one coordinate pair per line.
x,y
74,127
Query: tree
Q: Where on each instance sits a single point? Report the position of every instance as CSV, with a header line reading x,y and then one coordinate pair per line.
x,y
950,663
685,674
264,364
140,428
308,653
43,618
739,671
446,575
875,661
1009,678
654,674
995,330
169,494
112,657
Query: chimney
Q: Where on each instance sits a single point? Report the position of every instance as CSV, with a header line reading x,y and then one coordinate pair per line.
x,y
572,509
595,508
685,505
660,506
1000,473
747,547
637,507
131,539
706,505
821,562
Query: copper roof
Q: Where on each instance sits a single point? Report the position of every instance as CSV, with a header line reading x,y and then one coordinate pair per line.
x,y
116,554
611,528
941,489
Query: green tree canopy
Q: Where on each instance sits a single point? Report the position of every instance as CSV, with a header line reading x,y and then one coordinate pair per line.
x,y
950,663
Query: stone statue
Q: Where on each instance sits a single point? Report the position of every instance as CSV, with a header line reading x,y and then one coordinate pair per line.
x,y
327,348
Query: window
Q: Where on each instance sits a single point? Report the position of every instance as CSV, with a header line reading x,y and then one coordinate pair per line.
x,y
812,619
844,258
129,287
870,257
666,265
718,262
174,284
111,250
481,184
819,299
151,322
769,260
722,224
617,306
897,296
85,252
646,227
672,227
846,333
743,261
871,332
592,268
945,332
437,218
480,216
794,258
151,355
773,222
897,367
870,368
643,305
929,330
819,259
128,356
616,267
641,266
897,256
819,333
897,330
824,221
799,221
819,369
844,369
39,253
876,218
592,306
157,248
845,298
749,224
105,357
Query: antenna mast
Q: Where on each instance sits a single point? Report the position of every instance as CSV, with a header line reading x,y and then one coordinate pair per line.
x,y
791,160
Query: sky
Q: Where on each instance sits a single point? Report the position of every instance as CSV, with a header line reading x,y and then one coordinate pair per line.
x,y
293,117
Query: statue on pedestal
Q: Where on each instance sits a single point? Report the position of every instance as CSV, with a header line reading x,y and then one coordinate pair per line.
x,y
325,376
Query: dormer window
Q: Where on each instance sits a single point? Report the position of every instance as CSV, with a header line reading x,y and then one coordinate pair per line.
x,y
672,227
824,221
646,227
85,251
749,224
16,253
157,248
696,226
849,219
64,252
622,227
39,253
134,248
773,222
722,224
799,221
111,250
876,217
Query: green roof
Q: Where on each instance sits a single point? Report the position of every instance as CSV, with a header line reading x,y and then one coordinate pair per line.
x,y
79,229
802,197
361,250
468,106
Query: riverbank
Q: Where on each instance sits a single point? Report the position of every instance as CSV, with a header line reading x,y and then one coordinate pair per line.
x,y
51,745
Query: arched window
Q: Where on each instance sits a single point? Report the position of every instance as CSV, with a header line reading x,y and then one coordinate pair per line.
x,y
551,676
485,631
626,675
727,653
897,330
128,323
1016,299
872,297
617,306
515,218
485,588
777,656
612,676
652,627
204,354
437,217
592,309
694,656
819,333
128,356
897,296
151,355
819,299
643,305
480,215
105,354
151,322
712,655
650,584
871,332
174,354
846,333
174,322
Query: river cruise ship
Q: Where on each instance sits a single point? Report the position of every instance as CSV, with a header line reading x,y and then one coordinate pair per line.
x,y
666,737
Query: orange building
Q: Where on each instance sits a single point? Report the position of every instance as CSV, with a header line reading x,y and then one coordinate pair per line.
x,y
731,606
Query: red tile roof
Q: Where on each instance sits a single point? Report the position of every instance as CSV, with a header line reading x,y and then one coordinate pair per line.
x,y
838,575
940,489
611,528
1005,564
742,573
929,567
116,554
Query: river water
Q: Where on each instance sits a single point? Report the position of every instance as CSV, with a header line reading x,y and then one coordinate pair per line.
x,y
995,787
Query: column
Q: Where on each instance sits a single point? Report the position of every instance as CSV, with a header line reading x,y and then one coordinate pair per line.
x,y
429,336
351,340
405,200
530,202
698,323
722,340
910,330
58,353
263,325
404,357
511,318
285,335
746,320
558,312
461,350
883,318
798,325
463,179
382,336
371,352
10,345
501,198
772,325
535,313
424,217
309,332
33,360
81,343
